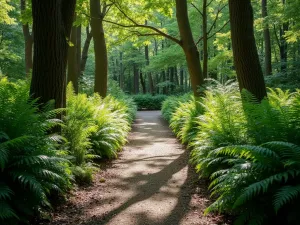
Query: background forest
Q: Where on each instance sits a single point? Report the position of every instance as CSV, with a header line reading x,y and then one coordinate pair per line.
x,y
73,74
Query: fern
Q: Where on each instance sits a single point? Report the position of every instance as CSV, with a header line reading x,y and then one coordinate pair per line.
x,y
30,166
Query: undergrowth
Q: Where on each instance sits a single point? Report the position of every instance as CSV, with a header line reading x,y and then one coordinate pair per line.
x,y
249,150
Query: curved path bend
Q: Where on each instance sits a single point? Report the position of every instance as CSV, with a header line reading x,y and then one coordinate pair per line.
x,y
150,184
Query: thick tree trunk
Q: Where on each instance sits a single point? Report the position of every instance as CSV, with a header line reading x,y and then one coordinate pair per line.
x,y
28,43
189,46
85,50
267,40
283,44
205,40
52,22
246,61
100,49
72,60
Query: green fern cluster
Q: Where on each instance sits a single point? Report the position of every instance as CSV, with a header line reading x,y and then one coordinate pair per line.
x,y
226,118
171,104
184,120
95,128
30,166
262,184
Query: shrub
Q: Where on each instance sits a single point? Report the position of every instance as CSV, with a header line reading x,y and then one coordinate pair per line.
x,y
262,185
149,102
79,126
184,120
227,135
171,104
113,126
30,166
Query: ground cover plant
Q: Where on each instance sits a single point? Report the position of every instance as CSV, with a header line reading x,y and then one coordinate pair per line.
x,y
249,150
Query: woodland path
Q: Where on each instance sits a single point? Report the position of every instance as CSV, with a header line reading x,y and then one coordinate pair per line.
x,y
150,184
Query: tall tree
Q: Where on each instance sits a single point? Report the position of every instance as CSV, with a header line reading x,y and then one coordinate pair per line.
x,y
246,60
98,11
85,50
73,75
52,23
267,39
189,46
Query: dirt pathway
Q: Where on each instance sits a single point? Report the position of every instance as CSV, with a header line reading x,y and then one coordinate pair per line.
x,y
149,184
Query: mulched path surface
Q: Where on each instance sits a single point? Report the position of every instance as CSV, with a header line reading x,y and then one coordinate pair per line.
x,y
149,184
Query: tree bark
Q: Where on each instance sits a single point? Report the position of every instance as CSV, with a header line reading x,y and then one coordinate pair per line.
x,y
28,42
249,72
78,50
136,79
101,61
52,22
72,60
189,46
85,50
267,40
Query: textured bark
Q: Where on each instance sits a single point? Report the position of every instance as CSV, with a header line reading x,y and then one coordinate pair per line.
x,y
249,72
52,22
101,61
189,46
28,37
72,75
267,40
85,50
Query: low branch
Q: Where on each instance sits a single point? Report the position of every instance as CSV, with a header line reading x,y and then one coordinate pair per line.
x,y
216,18
198,10
209,37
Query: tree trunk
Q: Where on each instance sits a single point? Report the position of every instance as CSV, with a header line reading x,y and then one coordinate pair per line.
x,y
85,50
136,79
143,83
205,40
52,22
246,61
283,44
181,77
267,40
72,60
100,49
78,50
189,46
150,78
28,42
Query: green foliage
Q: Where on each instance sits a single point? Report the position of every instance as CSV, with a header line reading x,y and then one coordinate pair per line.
x,y
171,104
95,128
79,125
31,168
259,183
262,184
149,102
184,120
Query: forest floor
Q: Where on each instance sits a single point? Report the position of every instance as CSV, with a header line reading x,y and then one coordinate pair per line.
x,y
150,183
